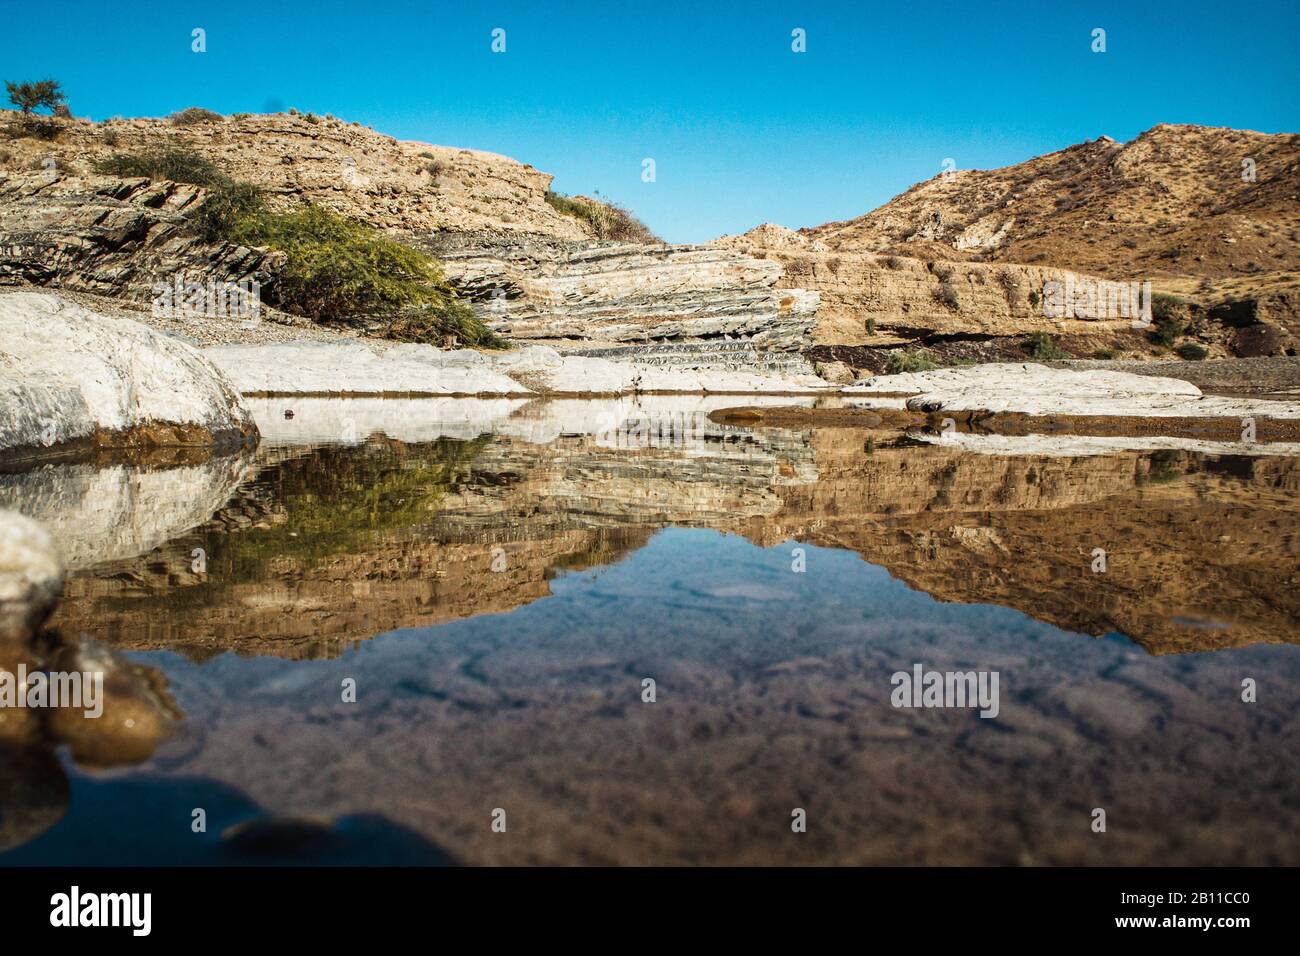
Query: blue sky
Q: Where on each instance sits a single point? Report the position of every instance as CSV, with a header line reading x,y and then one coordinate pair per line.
x,y
742,130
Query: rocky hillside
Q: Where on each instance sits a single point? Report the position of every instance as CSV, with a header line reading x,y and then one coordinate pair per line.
x,y
360,173
1173,202
1175,206
531,263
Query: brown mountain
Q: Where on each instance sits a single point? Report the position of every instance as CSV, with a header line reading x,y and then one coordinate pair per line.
x,y
1175,201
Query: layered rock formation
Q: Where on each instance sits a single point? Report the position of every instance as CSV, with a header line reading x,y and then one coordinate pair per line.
x,y
125,238
612,294
73,378
883,299
536,274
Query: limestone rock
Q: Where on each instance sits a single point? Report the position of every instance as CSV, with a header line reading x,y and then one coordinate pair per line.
x,y
114,237
70,375
616,294
359,367
1035,389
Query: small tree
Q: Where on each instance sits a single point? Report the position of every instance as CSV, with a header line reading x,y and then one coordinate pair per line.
x,y
43,94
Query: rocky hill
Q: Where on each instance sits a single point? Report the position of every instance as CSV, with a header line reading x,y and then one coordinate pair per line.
x,y
533,264
1172,202
1211,215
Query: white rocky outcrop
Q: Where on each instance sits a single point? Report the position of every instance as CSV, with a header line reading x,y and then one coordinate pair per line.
x,y
31,576
357,367
1034,389
68,374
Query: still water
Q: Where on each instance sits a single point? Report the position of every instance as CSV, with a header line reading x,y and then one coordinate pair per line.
x,y
478,632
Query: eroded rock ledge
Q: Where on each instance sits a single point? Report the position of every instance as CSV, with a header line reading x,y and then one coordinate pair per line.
x,y
620,294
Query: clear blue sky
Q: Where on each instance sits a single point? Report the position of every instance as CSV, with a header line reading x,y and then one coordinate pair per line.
x,y
742,130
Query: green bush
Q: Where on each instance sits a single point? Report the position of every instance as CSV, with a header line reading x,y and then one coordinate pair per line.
x,y
335,268
338,268
1192,352
907,360
1042,347
607,220
1166,312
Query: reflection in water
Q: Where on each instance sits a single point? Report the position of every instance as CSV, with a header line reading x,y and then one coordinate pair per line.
x,y
773,686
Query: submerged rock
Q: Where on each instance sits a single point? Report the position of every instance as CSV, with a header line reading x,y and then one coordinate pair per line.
x,y
73,377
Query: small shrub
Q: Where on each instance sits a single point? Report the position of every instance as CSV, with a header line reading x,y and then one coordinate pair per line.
x,y
194,115
434,169
425,154
871,325
893,262
1103,354
1192,352
312,118
1034,298
178,165
1042,347
907,360
946,294
109,137
607,220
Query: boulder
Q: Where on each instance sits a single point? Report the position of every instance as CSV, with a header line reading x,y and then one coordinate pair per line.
x,y
70,376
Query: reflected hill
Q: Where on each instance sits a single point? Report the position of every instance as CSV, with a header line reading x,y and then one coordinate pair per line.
x,y
324,545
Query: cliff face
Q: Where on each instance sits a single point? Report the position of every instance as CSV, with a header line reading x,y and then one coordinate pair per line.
x,y
615,294
533,272
872,298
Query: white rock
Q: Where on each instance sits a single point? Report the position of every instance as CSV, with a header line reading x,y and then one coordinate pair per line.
x,y
31,576
353,366
66,371
1039,390
358,367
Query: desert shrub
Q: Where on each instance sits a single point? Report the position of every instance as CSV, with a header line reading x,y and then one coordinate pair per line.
x,y
227,204
1103,354
338,268
946,294
312,118
168,162
893,262
109,137
1192,352
195,114
607,220
1043,347
434,169
907,360
1034,298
